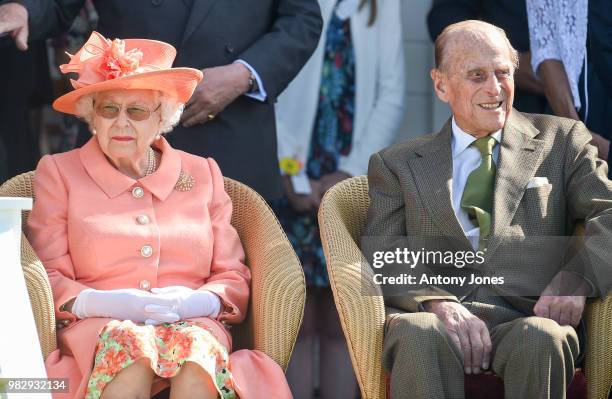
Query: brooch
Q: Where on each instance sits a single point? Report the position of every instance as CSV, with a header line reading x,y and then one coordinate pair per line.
x,y
185,182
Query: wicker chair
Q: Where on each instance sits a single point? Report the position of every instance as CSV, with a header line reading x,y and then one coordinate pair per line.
x,y
278,290
342,218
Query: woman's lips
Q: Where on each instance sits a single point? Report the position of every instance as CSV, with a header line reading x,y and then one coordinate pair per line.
x,y
123,138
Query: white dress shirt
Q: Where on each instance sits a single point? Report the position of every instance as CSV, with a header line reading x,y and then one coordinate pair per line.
x,y
466,158
260,94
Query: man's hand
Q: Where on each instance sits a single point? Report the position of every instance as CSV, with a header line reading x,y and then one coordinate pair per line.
x,y
329,180
468,332
219,88
567,309
303,202
14,20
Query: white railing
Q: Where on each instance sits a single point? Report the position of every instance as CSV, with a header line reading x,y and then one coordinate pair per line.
x,y
20,355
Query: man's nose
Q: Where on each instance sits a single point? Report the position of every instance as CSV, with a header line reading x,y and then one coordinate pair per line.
x,y
493,85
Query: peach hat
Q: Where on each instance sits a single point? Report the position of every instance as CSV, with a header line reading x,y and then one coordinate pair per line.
x,y
103,65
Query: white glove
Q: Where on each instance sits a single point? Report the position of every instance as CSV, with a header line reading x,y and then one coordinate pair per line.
x,y
191,303
126,304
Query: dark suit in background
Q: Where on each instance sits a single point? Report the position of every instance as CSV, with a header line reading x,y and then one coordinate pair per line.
x,y
26,85
599,72
275,37
510,15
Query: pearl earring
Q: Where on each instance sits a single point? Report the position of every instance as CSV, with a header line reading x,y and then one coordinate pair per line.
x,y
158,137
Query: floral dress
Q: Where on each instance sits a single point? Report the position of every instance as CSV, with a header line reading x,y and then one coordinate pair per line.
x,y
331,138
167,346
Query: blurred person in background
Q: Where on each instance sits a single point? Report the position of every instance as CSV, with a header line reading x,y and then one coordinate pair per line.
x,y
20,102
571,43
231,114
346,103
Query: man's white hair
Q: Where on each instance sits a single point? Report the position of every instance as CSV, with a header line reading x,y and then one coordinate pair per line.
x,y
170,110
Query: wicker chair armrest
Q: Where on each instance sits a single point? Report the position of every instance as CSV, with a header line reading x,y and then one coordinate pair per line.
x,y
358,300
598,362
37,282
362,317
278,288
41,297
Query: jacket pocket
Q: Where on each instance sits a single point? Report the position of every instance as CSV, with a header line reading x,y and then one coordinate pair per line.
x,y
536,201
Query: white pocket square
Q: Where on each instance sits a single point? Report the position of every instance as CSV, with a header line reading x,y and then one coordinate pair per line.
x,y
537,182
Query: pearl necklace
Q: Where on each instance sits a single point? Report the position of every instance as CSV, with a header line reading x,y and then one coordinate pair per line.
x,y
152,162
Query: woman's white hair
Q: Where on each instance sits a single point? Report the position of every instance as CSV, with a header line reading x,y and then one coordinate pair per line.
x,y
170,110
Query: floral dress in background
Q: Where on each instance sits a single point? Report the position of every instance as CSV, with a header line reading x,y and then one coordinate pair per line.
x,y
331,138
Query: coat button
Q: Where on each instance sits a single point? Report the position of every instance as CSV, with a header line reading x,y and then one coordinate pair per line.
x,y
144,285
156,2
146,251
229,48
142,219
137,192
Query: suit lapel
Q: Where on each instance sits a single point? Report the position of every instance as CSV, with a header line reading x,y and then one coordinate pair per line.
x,y
432,169
519,158
199,10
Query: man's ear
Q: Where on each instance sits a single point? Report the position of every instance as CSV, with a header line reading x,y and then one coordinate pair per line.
x,y
440,84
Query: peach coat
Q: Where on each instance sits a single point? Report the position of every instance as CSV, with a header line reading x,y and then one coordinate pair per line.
x,y
87,228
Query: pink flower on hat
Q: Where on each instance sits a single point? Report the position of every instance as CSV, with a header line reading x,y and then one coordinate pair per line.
x,y
117,63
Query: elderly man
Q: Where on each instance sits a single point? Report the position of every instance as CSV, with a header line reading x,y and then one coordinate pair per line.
x,y
499,181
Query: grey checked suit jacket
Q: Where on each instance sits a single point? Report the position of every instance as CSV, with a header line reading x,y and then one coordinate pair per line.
x,y
410,191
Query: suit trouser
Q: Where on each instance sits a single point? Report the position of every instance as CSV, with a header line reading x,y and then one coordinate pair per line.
x,y
534,356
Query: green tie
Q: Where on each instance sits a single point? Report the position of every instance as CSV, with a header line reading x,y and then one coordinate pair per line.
x,y
477,198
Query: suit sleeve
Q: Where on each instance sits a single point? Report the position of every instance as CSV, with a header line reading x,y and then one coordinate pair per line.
x,y
48,234
386,231
229,276
291,40
48,18
589,196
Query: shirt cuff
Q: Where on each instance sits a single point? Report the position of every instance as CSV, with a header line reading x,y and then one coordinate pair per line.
x,y
301,184
261,94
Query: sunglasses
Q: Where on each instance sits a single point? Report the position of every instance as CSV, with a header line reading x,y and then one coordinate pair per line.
x,y
134,112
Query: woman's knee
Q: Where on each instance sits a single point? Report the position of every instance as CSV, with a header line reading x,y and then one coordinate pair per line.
x,y
133,382
193,378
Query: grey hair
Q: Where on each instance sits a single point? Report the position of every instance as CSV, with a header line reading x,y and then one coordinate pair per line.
x,y
170,110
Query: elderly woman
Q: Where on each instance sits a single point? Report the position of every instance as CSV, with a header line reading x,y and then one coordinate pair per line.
x,y
143,262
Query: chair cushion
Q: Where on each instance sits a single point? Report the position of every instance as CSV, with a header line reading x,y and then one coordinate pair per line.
x,y
491,386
